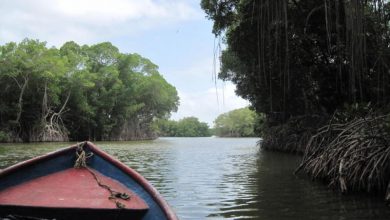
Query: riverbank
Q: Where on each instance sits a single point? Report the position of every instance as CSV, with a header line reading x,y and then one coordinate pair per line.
x,y
349,155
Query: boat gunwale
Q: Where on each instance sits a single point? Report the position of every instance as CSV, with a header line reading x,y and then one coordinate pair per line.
x,y
138,178
127,170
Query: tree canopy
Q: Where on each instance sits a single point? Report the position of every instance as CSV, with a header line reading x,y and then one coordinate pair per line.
x,y
79,93
237,123
301,57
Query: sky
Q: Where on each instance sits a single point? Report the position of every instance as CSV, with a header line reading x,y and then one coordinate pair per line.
x,y
174,34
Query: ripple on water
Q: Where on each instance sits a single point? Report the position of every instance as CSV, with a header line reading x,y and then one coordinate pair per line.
x,y
223,178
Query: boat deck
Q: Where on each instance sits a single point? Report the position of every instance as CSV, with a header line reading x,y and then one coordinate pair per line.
x,y
71,188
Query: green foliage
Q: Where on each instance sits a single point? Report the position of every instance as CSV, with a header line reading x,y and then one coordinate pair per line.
x,y
33,78
238,123
294,58
82,92
186,127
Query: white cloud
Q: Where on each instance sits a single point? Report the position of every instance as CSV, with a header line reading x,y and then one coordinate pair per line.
x,y
88,21
207,105
109,12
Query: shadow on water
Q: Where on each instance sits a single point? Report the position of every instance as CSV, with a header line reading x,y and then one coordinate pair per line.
x,y
274,192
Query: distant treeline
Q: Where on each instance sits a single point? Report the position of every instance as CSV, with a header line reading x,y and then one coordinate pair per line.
x,y
186,127
241,122
79,93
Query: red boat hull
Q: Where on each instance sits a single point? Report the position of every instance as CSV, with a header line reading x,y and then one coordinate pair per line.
x,y
49,187
71,188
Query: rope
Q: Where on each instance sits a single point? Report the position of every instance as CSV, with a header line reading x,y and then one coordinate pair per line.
x,y
81,163
114,195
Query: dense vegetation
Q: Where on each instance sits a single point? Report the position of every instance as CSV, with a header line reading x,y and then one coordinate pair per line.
x,y
314,68
237,123
186,127
79,93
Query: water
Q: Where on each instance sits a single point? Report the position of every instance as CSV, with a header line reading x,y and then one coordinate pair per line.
x,y
224,178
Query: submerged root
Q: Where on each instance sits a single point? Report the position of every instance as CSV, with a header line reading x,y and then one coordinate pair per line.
x,y
353,156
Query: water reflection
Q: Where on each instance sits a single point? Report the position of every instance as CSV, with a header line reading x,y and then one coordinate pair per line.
x,y
237,185
222,178
281,195
153,159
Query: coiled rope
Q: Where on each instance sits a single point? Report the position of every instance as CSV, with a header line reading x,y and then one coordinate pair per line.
x,y
81,163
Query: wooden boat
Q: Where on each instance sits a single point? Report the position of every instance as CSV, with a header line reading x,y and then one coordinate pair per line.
x,y
78,182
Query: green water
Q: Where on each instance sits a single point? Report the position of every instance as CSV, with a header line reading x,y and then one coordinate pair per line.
x,y
224,178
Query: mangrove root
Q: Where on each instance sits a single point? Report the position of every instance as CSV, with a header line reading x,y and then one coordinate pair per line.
x,y
354,155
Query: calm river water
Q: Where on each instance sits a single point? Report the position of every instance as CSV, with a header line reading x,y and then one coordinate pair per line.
x,y
224,178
